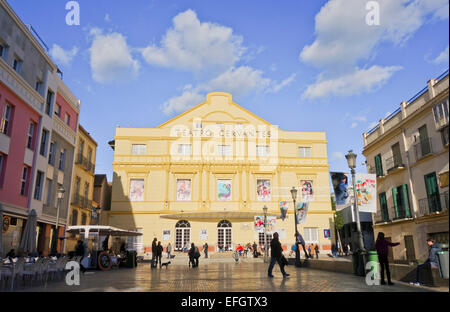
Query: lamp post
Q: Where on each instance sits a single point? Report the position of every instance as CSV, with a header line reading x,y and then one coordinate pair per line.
x,y
60,192
297,249
351,160
265,234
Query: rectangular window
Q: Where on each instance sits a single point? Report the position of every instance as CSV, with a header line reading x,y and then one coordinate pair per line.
x,y
67,119
311,235
444,136
138,149
223,150
6,119
2,167
48,192
51,155
17,65
77,190
432,189
441,114
136,190
62,160
24,181
304,151
2,50
48,102
80,153
400,197
378,165
38,187
58,110
31,135
74,217
263,150
383,207
184,149
43,149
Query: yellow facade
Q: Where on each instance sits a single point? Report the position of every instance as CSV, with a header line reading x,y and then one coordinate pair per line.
x,y
177,170
82,189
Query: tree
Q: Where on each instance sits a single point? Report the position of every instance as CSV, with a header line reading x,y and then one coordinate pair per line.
x,y
338,219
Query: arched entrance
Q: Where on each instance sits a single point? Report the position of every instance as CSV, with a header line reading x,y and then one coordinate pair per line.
x,y
224,236
182,234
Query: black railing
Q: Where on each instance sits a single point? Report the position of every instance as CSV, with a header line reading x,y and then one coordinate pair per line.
x,y
394,162
433,204
423,148
82,202
401,213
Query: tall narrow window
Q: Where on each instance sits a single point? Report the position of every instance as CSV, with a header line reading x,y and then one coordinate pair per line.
x,y
77,189
2,167
38,186
30,135
80,152
6,119
400,197
43,149
263,150
48,194
383,207
62,160
378,165
2,50
51,155
17,65
58,110
89,163
38,86
48,102
67,119
24,181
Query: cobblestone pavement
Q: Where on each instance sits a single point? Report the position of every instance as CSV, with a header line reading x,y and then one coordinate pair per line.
x,y
250,276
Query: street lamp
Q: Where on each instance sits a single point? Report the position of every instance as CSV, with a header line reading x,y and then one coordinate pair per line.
x,y
351,160
60,192
265,234
297,250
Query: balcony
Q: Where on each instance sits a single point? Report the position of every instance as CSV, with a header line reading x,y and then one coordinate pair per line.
x,y
382,217
433,205
423,148
85,163
400,214
82,202
394,163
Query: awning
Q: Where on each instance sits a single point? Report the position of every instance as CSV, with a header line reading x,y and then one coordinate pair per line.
x,y
101,230
215,216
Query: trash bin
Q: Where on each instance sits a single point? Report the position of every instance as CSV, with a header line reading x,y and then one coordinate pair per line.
x,y
131,259
443,263
372,256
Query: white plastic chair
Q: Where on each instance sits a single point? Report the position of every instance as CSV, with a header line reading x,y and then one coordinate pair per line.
x,y
29,271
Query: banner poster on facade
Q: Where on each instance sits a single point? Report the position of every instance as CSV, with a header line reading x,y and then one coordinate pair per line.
x,y
307,190
204,234
166,235
183,189
302,211
263,190
341,191
270,224
136,190
224,189
326,233
284,205
366,192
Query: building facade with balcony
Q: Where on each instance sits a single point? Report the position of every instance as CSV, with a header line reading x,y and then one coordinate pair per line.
x,y
409,153
30,88
205,175
82,183
102,195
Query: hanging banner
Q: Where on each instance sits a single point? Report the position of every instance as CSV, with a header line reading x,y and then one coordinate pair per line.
x,y
224,189
366,192
341,190
326,233
302,211
259,224
263,190
306,186
183,189
284,205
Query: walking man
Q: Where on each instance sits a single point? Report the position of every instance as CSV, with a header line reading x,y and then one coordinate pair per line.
x,y
205,249
159,251
381,245
301,241
154,252
255,250
316,249
276,255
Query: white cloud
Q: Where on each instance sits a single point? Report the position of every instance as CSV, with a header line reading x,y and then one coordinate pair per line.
x,y
194,45
343,39
107,18
359,81
354,125
65,57
186,100
111,59
282,84
442,57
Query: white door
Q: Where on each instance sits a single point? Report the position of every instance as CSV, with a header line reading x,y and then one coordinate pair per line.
x,y
182,238
224,238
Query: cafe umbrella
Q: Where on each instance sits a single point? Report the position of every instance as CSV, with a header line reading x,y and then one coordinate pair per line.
x,y
28,242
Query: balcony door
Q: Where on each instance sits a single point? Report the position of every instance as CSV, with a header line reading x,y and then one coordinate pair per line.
x,y
432,189
424,141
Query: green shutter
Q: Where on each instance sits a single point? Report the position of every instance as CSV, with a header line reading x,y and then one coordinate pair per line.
x,y
383,207
394,196
405,196
378,165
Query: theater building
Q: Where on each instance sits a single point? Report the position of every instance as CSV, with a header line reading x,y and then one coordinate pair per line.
x,y
205,175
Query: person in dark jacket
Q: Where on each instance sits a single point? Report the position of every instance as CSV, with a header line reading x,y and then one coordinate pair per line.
x,y
301,241
205,249
194,254
159,251
431,262
276,255
382,247
316,249
255,250
79,252
154,251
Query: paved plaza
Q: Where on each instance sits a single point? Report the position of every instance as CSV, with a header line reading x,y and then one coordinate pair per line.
x,y
222,275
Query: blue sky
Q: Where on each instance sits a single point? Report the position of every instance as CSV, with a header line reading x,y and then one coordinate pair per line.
x,y
301,65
